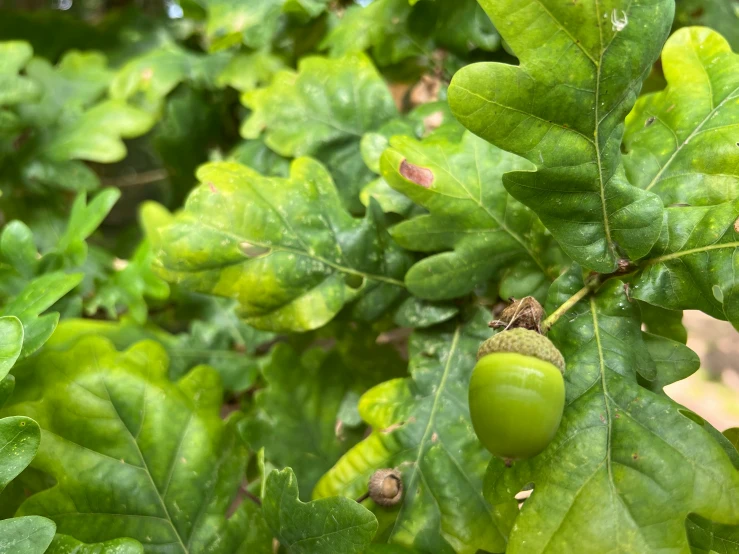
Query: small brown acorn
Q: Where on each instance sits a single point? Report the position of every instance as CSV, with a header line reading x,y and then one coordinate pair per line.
x,y
386,487
526,313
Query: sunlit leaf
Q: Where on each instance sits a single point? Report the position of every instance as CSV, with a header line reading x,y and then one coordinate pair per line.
x,y
15,88
284,248
34,300
470,213
11,343
64,544
134,455
679,141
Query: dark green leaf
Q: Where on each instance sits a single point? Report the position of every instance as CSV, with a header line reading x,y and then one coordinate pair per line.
x,y
733,436
674,360
693,264
326,525
132,283
707,537
76,82
146,80
393,30
220,340
722,15
232,21
415,312
7,386
665,323
256,155
563,108
303,413
421,426
245,72
627,466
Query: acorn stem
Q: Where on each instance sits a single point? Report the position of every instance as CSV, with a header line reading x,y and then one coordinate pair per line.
x,y
549,322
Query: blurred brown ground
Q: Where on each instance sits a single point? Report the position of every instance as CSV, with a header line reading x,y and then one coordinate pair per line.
x,y
713,391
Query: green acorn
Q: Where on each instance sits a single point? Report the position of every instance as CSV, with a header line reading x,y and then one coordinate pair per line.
x,y
517,393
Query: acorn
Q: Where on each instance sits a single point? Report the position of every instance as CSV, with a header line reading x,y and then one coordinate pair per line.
x,y
517,393
386,487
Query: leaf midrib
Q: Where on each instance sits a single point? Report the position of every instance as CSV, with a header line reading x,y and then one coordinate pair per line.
x,y
145,467
596,132
296,251
478,201
680,254
429,426
695,132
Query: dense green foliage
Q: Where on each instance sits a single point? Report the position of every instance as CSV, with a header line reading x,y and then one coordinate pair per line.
x,y
250,248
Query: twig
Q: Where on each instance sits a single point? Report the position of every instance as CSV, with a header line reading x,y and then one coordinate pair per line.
x,y
549,322
252,497
136,179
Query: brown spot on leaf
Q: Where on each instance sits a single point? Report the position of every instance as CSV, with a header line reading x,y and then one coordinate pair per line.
x,y
416,174
736,225
253,250
212,188
339,430
635,456
393,427
435,437
650,121
147,74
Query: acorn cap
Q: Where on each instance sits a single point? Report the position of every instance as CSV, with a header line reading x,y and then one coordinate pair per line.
x,y
386,487
526,342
